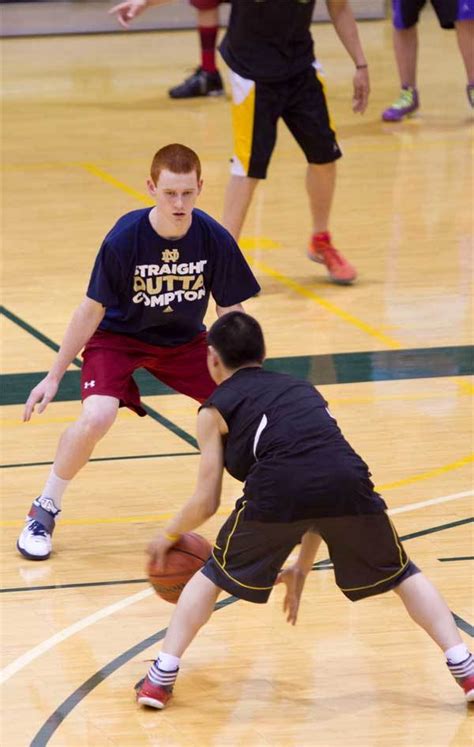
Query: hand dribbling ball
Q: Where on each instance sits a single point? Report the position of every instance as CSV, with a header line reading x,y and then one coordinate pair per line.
x,y
186,557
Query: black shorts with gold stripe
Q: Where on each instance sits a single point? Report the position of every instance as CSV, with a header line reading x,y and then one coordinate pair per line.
x,y
366,551
258,105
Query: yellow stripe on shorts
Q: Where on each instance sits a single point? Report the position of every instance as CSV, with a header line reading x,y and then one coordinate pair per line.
x,y
243,114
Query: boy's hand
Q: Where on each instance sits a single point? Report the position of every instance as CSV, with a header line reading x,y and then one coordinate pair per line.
x,y
294,579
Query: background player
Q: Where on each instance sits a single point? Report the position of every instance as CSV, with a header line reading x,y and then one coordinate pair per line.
x,y
269,49
206,79
457,14
302,481
144,308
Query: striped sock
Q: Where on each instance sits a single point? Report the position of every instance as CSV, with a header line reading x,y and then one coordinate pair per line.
x,y
463,669
160,677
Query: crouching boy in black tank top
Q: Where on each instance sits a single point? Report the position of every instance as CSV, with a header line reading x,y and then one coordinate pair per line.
x,y
302,482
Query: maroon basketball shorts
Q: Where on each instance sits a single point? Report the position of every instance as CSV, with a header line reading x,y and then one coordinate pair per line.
x,y
366,552
205,4
110,361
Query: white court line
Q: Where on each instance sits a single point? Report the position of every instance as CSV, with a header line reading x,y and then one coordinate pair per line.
x,y
23,661
432,502
37,651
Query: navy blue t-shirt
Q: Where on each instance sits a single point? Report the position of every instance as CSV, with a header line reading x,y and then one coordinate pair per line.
x,y
157,290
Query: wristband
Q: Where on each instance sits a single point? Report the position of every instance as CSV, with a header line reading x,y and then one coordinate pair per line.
x,y
361,67
171,537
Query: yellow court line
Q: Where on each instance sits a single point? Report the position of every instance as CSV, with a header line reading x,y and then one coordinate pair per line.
x,y
109,179
146,518
327,305
430,473
267,270
466,387
247,243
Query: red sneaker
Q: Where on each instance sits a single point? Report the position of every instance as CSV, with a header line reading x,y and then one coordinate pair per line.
x,y
467,684
152,695
321,250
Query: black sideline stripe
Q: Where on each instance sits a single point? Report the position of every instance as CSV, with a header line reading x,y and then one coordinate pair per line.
x,y
450,560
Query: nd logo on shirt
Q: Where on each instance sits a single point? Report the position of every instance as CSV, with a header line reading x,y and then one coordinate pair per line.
x,y
170,282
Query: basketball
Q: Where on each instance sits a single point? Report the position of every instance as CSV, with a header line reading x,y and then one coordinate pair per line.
x,y
186,557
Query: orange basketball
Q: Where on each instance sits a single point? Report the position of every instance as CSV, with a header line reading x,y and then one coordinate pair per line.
x,y
186,557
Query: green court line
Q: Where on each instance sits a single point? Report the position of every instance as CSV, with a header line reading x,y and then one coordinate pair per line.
x,y
450,560
171,426
106,459
69,389
336,368
42,737
34,332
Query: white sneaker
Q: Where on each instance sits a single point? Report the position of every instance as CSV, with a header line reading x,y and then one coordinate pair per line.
x,y
35,542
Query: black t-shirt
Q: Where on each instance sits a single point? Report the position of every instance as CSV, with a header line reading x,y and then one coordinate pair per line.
x,y
156,289
288,449
269,40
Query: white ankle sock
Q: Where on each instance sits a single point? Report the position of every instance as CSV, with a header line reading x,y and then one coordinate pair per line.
x,y
457,654
54,488
167,662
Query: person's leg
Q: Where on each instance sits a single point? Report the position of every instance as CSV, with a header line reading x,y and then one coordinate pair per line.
x,y
427,608
194,608
320,185
255,113
307,117
465,36
405,45
238,196
78,441
74,449
206,79
208,27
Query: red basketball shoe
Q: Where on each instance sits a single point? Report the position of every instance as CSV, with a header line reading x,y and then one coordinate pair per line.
x,y
321,250
467,684
154,696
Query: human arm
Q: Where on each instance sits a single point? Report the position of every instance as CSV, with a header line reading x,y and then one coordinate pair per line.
x,y
82,326
221,310
294,576
346,28
205,500
130,9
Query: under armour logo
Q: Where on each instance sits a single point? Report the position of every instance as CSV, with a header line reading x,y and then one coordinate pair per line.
x,y
90,384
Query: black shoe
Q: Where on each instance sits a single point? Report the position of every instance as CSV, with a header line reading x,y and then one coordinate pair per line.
x,y
200,83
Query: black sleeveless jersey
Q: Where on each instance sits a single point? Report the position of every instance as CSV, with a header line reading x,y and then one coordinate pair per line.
x,y
288,450
269,40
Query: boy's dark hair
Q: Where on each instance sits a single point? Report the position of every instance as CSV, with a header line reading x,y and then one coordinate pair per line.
x,y
238,338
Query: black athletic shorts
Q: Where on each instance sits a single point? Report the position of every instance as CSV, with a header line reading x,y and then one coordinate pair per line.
x,y
365,549
406,12
256,108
